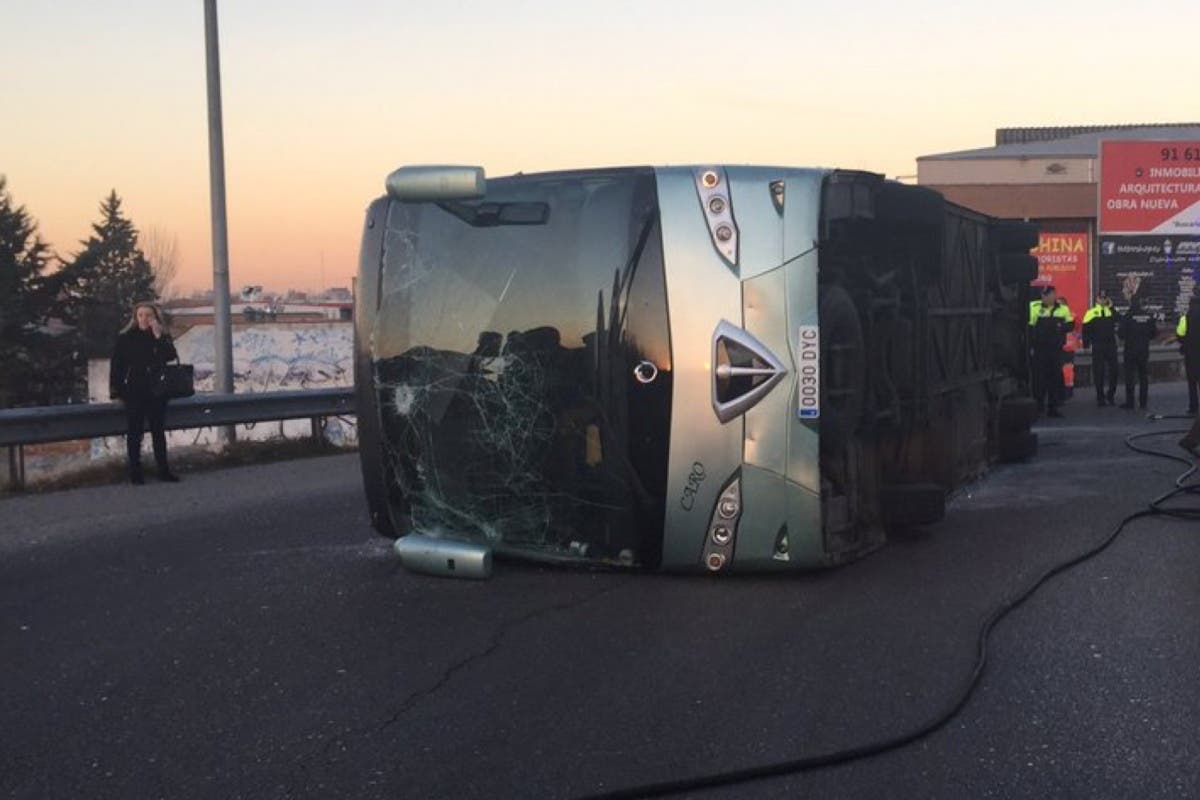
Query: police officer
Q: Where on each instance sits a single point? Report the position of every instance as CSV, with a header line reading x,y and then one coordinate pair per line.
x,y
1100,334
1188,331
1049,321
1137,329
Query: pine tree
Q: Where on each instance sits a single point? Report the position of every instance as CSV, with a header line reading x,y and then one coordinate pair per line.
x,y
103,281
29,357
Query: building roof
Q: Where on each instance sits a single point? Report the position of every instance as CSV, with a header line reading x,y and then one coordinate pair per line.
x,y
1083,141
1026,135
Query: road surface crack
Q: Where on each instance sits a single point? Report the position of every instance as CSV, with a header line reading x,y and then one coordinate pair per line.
x,y
492,646
412,700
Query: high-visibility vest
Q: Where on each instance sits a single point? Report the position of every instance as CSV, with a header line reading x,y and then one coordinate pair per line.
x,y
1059,311
1097,311
1049,324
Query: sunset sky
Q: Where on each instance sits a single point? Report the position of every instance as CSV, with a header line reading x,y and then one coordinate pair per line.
x,y
322,99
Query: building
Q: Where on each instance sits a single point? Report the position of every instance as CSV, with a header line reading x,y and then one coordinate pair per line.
x,y
183,315
1052,176
338,294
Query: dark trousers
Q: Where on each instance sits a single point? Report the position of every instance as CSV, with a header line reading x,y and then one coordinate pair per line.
x,y
1193,379
1137,367
1192,439
1047,378
140,409
1104,372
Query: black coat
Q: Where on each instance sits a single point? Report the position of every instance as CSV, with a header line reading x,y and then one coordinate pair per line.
x,y
1189,344
1137,329
1100,329
136,357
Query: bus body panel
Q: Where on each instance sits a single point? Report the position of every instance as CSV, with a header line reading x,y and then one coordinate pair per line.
x,y
760,225
701,292
769,424
804,444
764,521
770,298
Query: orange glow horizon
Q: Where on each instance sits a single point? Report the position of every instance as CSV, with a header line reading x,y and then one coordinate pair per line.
x,y
321,102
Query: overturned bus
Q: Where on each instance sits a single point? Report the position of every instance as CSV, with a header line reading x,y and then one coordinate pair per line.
x,y
713,368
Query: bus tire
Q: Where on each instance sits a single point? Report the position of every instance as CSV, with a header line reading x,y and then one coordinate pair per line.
x,y
1014,447
1017,414
913,504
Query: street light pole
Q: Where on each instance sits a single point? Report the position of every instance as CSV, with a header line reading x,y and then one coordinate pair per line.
x,y
222,324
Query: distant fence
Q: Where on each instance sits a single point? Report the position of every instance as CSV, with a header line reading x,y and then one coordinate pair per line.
x,y
25,426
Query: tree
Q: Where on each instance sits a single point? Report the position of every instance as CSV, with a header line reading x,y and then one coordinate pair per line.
x,y
32,369
102,282
162,251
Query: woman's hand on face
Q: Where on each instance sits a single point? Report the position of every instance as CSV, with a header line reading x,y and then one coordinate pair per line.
x,y
156,328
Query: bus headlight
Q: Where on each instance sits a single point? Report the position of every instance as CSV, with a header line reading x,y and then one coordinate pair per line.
x,y
722,527
716,203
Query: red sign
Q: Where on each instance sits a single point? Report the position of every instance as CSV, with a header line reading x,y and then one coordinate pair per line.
x,y
1150,187
1063,263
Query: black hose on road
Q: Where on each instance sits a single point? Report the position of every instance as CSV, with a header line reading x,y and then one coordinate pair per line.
x,y
1164,505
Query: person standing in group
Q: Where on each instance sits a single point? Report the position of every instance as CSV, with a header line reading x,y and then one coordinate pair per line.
x,y
1188,331
1049,321
1100,334
143,348
1137,329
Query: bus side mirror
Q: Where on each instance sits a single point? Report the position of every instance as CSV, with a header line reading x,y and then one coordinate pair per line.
x,y
436,183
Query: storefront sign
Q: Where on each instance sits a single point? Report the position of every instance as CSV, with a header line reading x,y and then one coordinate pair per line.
x,y
1150,187
1063,263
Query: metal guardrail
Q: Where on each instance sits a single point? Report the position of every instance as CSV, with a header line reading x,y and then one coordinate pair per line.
x,y
22,426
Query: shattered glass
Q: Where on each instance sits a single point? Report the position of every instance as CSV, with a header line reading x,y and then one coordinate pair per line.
x,y
504,368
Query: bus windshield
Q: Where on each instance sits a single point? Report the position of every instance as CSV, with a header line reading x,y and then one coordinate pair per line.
x,y
504,354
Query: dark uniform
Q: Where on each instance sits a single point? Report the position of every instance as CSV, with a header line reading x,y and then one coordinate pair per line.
x,y
1191,441
1048,326
1188,331
1137,329
1100,334
137,357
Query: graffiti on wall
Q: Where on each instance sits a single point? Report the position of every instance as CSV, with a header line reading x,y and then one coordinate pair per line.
x,y
266,358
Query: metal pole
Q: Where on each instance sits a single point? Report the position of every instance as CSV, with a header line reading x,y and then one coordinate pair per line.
x,y
222,334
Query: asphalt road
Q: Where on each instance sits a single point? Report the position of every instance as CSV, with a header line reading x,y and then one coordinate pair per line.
x,y
244,634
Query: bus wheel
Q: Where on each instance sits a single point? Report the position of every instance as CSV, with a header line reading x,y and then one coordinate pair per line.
x,y
1017,414
913,504
1014,446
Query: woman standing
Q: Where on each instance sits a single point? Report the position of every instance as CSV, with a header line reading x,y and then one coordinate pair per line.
x,y
143,348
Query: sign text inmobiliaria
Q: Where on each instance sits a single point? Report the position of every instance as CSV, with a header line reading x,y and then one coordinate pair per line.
x,y
1149,223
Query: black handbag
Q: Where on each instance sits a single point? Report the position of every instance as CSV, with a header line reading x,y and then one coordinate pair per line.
x,y
173,380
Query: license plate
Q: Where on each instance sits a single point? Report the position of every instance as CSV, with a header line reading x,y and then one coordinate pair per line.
x,y
809,391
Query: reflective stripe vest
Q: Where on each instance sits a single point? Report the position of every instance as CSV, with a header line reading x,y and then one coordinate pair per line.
x,y
1097,311
1100,327
1038,310
1050,324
